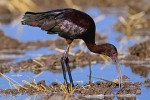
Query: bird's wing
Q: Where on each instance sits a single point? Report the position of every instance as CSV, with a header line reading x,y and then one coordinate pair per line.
x,y
45,20
62,22
57,21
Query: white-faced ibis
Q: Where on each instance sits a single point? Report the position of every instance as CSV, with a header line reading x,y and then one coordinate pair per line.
x,y
71,24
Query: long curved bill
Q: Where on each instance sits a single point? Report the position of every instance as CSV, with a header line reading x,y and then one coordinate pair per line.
x,y
116,61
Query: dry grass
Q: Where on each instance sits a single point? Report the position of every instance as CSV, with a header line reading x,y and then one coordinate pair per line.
x,y
66,92
39,88
18,5
38,63
71,4
13,83
105,58
133,21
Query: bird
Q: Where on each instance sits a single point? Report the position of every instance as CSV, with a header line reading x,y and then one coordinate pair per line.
x,y
71,24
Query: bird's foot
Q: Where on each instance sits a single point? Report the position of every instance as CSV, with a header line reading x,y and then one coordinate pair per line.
x,y
67,90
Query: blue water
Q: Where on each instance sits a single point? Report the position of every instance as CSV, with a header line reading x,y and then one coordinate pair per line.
x,y
27,33
36,53
80,75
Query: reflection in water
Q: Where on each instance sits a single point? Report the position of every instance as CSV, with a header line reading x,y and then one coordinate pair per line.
x,y
90,72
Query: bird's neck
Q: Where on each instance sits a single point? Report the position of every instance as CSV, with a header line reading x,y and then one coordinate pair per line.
x,y
94,48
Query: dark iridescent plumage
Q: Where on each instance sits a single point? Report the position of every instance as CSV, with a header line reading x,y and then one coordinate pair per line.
x,y
70,24
64,22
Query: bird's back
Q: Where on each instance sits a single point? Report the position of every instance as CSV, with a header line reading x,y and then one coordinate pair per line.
x,y
68,23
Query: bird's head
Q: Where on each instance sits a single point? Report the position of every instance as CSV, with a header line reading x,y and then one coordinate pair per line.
x,y
105,49
110,51
113,53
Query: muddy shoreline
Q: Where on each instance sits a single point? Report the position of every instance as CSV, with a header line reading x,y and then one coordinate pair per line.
x,y
86,91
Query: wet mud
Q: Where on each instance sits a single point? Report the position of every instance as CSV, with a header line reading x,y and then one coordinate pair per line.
x,y
141,50
45,62
138,58
51,63
147,82
87,91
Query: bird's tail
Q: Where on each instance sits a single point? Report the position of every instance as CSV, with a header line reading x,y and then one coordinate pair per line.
x,y
33,19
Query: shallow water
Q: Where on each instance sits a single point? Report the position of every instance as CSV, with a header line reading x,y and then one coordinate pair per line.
x,y
80,75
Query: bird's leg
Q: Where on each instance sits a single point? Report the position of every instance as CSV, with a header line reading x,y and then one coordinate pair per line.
x,y
69,72
65,63
64,71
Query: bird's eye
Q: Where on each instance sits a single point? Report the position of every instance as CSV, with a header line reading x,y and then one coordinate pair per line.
x,y
113,53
